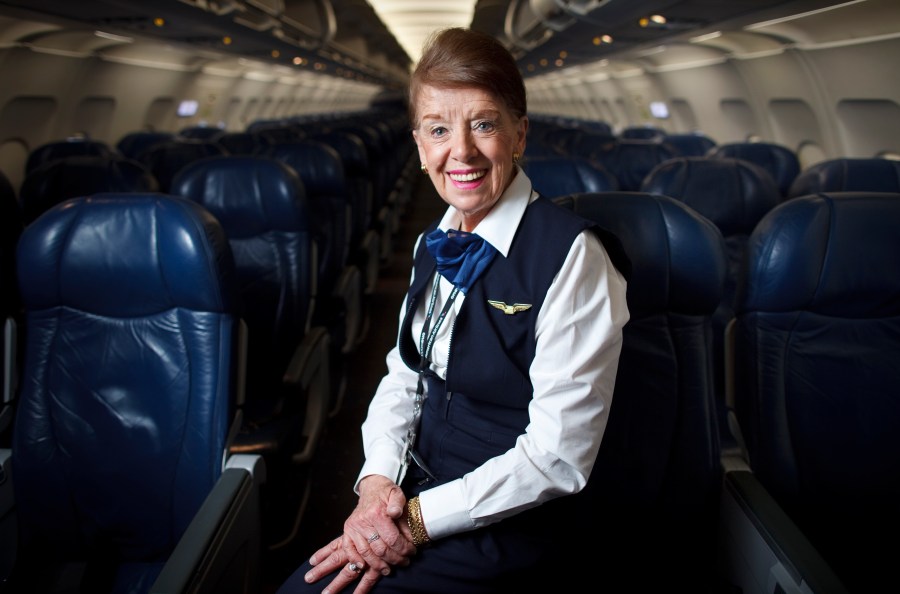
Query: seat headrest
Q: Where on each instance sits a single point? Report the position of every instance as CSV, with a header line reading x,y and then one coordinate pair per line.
x,y
848,175
80,253
559,175
732,193
249,195
83,175
780,161
677,256
318,165
65,148
829,253
350,147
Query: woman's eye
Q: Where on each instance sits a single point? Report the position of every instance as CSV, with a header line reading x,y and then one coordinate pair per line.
x,y
438,132
484,126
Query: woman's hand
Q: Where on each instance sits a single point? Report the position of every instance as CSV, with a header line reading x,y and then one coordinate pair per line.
x,y
375,538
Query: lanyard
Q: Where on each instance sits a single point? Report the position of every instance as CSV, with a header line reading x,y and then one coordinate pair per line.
x,y
426,344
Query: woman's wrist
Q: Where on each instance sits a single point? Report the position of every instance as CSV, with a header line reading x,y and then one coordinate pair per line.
x,y
416,525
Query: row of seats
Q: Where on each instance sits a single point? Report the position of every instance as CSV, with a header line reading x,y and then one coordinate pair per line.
x,y
733,193
256,338
812,359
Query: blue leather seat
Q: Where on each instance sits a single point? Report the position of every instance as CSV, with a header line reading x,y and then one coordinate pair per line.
x,y
262,206
816,346
642,133
778,160
691,144
631,160
70,147
561,175
734,195
848,175
126,404
133,144
365,243
243,143
342,283
76,176
656,481
166,159
201,132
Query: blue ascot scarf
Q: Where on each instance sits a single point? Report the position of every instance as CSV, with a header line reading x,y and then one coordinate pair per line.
x,y
461,256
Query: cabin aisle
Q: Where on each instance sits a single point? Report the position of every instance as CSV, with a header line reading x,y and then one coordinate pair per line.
x,y
339,456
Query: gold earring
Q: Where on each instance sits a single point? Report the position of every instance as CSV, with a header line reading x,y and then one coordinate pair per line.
x,y
516,157
424,168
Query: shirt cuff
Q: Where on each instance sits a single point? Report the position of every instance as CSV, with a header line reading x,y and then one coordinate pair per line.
x,y
444,510
383,461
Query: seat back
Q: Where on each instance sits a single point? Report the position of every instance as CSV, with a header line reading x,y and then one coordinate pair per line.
x,y
691,144
656,480
816,349
778,160
734,195
166,159
129,385
70,147
243,143
631,160
133,144
201,132
85,175
329,195
642,133
262,205
560,175
848,175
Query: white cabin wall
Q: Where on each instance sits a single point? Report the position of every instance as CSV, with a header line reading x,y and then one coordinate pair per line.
x,y
861,95
701,90
56,96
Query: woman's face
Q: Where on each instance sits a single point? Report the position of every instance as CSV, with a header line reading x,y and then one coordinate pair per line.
x,y
467,138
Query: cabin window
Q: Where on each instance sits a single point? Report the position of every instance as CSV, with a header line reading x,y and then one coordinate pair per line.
x,y
868,126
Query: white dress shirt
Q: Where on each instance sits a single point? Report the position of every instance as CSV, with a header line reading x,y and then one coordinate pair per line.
x,y
573,373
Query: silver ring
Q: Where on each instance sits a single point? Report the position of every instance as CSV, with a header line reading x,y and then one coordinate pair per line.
x,y
374,537
355,568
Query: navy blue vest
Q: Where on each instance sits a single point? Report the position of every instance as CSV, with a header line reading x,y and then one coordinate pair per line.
x,y
483,406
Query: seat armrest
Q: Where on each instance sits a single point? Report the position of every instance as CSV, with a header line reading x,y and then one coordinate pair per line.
x,y
370,248
220,548
762,550
309,371
348,290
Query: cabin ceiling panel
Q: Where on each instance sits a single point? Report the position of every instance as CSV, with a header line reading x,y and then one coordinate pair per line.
x,y
15,30
566,38
351,39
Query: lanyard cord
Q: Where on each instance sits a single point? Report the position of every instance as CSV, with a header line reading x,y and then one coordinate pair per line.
x,y
426,344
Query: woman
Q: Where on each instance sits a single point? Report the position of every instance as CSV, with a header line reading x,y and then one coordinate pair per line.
x,y
498,390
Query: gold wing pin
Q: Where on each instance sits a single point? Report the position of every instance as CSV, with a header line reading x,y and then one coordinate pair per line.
x,y
509,309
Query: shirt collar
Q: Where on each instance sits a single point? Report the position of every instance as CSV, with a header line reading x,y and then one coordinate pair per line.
x,y
499,226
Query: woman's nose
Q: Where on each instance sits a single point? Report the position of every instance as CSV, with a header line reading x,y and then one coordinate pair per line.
x,y
464,146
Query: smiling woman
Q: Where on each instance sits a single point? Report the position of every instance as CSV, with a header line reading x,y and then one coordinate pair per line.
x,y
466,464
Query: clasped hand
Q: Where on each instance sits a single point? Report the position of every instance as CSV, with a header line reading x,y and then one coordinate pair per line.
x,y
376,538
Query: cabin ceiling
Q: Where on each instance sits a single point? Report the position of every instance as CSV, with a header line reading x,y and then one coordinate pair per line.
x,y
348,38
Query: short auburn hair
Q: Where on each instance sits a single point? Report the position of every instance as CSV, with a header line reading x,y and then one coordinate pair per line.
x,y
457,58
